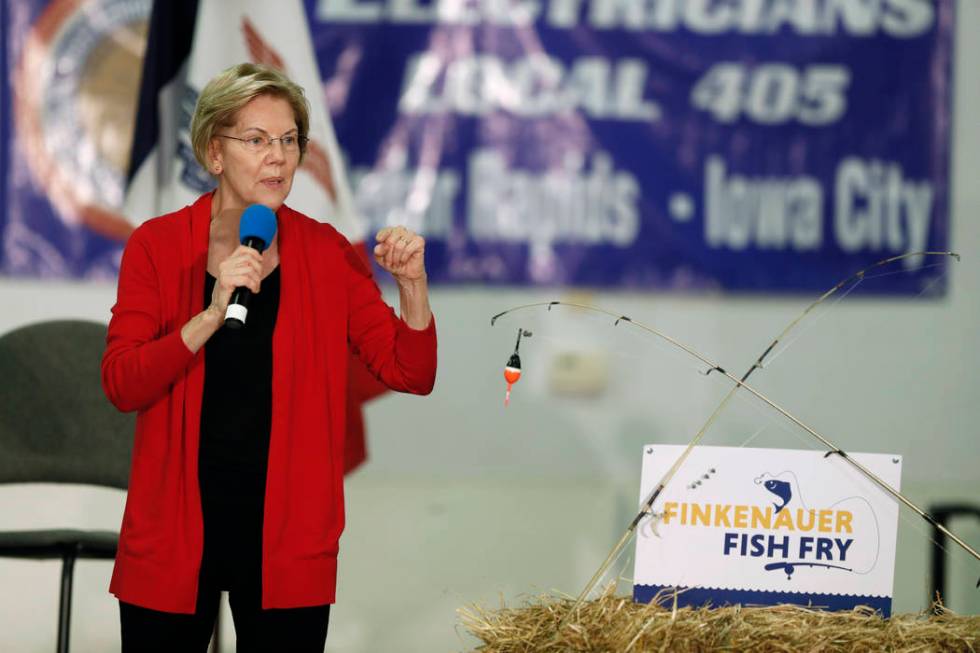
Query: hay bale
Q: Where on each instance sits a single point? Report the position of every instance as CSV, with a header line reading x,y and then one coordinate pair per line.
x,y
616,623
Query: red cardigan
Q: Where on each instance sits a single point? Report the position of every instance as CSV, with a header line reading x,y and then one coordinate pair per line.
x,y
328,306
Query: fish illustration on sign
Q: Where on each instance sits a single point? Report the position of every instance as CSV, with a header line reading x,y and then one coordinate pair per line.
x,y
781,489
862,559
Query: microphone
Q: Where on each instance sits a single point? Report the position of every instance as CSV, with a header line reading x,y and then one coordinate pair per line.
x,y
256,230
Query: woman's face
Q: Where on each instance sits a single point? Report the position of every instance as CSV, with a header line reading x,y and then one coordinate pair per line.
x,y
248,177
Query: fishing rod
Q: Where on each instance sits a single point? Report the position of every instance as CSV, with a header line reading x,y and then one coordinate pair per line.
x,y
741,383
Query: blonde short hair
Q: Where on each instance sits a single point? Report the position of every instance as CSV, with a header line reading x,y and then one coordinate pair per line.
x,y
232,89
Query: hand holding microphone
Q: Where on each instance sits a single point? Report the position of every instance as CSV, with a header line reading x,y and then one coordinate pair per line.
x,y
240,274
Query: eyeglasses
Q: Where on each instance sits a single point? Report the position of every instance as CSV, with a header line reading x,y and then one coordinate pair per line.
x,y
258,144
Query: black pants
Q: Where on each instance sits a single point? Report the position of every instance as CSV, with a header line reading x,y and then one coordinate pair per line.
x,y
296,629
231,502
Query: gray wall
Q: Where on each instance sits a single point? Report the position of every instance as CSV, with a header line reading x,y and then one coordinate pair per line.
x,y
463,501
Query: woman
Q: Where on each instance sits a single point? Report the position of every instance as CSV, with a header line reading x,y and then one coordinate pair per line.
x,y
237,471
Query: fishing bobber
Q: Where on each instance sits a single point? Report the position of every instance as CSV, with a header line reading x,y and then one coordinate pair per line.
x,y
512,371
512,374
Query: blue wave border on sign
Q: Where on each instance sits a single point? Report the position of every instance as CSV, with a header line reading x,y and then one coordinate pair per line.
x,y
696,597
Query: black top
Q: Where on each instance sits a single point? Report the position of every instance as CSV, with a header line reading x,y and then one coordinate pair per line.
x,y
236,420
236,411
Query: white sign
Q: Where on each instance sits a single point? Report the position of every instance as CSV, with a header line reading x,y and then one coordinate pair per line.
x,y
768,526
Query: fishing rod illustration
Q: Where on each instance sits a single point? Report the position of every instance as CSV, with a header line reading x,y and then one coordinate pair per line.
x,y
790,567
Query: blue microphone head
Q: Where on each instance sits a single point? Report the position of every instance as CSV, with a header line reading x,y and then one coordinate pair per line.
x,y
258,221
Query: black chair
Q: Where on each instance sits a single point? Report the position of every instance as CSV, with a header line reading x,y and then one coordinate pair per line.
x,y
943,513
56,426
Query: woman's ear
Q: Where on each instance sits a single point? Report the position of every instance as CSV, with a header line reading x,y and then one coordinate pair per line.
x,y
215,159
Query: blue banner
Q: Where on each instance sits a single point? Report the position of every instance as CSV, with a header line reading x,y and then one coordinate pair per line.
x,y
748,145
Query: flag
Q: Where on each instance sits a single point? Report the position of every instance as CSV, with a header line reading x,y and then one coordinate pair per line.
x,y
189,42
